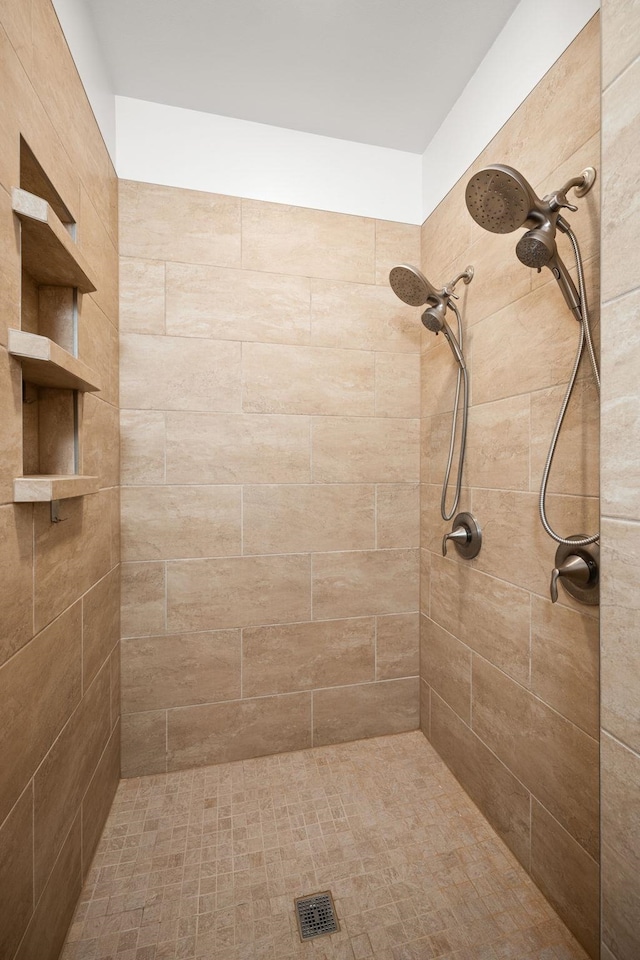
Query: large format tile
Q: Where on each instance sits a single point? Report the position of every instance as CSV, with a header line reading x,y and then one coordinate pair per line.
x,y
362,316
620,821
397,385
142,296
576,462
397,646
497,453
365,450
397,515
11,463
364,582
100,624
144,743
620,25
16,872
395,243
620,903
98,798
445,663
365,710
141,446
143,604
16,573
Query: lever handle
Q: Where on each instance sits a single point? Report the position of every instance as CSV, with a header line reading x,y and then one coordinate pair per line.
x,y
461,534
553,589
575,569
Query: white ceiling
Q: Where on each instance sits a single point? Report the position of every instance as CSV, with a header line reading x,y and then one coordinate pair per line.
x,y
382,72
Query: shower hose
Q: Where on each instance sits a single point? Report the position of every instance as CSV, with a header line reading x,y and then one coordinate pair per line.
x,y
463,378
585,337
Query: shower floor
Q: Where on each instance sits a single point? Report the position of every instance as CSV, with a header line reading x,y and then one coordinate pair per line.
x,y
207,863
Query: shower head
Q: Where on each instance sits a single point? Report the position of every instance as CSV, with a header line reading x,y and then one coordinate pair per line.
x,y
500,199
433,318
411,285
537,247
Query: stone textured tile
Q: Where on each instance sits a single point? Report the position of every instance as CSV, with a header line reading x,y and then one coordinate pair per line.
x,y
397,385
100,441
397,515
365,710
165,523
277,378
301,656
620,904
311,243
238,730
237,591
167,223
620,24
365,450
575,467
296,518
144,743
142,296
100,624
620,772
16,872
445,234
364,583
98,798
445,664
395,243
175,671
397,646
98,347
438,378
141,446
143,608
16,566
497,453
370,318
179,373
99,249
11,439
204,448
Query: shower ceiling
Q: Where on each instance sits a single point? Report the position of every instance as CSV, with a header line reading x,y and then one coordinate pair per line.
x,y
383,72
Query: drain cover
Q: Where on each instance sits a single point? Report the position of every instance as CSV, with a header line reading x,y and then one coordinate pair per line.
x,y
316,915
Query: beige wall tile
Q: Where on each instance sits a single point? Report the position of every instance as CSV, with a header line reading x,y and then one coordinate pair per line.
x,y
16,566
576,461
100,441
425,709
365,710
98,347
167,223
397,646
203,448
100,251
620,25
395,243
221,732
296,518
499,278
308,243
11,438
161,672
620,822
567,876
398,515
553,758
565,652
142,296
50,665
497,453
438,377
100,624
63,777
143,599
141,446
445,663
97,801
425,576
502,798
238,591
620,904
162,523
445,234
301,656
179,373
144,744
114,669
314,380
362,316
16,872
9,250
432,526
365,450
243,305
397,385
605,953
364,583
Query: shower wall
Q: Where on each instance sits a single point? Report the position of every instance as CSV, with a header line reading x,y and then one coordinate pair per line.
x,y
509,680
270,468
59,631
620,717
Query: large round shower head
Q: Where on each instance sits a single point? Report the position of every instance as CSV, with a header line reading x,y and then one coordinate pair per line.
x,y
411,285
500,199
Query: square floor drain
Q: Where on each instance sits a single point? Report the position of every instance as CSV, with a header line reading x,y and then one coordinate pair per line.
x,y
316,915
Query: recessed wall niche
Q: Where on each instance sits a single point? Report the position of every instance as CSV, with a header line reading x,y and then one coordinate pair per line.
x,y
54,278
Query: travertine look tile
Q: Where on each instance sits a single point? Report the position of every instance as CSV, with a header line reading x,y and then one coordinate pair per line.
x,y
502,798
497,453
29,724
98,798
605,953
237,591
445,234
98,347
395,243
575,467
445,663
364,710
173,671
551,756
141,446
620,617
620,769
10,252
16,872
397,646
314,380
100,624
362,316
167,223
438,377
100,441
364,583
425,576
63,777
567,876
620,210
219,732
397,385
398,515
142,285
100,251
114,670
11,437
179,373
499,277
296,518
301,656
365,450
204,448
143,599
620,904
565,653
620,23
16,565
167,523
309,243
237,304
144,743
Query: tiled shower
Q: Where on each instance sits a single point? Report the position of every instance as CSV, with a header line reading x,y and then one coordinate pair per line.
x,y
273,525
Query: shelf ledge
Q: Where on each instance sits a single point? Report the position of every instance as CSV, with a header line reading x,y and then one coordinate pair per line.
x,y
46,364
42,489
49,253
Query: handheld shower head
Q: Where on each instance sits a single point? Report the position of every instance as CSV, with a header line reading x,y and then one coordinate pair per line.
x,y
536,247
411,286
433,318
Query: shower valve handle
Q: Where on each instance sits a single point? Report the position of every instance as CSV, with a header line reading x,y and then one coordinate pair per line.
x,y
460,535
466,536
576,569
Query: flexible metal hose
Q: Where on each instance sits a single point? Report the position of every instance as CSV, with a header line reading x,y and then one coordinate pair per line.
x,y
585,336
464,378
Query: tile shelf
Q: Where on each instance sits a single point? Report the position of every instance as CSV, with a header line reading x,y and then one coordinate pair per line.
x,y
47,365
42,489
